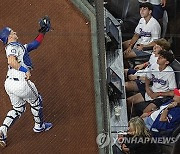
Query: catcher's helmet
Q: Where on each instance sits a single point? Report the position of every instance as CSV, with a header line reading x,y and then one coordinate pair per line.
x,y
4,33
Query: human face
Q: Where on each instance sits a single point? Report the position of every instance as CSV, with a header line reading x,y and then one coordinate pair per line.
x,y
145,12
162,61
13,36
156,50
131,129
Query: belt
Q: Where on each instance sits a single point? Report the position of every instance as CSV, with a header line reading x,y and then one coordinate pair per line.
x,y
15,79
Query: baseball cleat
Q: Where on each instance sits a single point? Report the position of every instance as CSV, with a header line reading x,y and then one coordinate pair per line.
x,y
45,127
2,140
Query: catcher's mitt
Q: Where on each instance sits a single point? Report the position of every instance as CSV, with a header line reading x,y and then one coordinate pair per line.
x,y
45,24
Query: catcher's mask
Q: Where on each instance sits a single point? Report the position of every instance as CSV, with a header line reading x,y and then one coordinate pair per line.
x,y
4,33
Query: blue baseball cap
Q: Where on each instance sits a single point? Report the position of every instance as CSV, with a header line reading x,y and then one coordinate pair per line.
x,y
4,33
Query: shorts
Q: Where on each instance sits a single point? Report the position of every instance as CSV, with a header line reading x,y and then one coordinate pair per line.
x,y
157,12
140,84
139,107
131,71
141,87
140,53
159,101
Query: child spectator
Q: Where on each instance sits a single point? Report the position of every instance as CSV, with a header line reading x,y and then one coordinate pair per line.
x,y
147,30
137,75
163,83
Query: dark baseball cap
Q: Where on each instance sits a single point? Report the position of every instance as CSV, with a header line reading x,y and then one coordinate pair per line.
x,y
146,4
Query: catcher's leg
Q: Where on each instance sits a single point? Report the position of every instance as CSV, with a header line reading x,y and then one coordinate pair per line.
x,y
35,100
37,111
11,117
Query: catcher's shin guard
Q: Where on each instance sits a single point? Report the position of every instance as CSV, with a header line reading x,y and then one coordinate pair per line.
x,y
11,117
37,111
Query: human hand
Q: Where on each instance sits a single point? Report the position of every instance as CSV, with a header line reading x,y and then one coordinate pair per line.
x,y
154,95
163,3
149,91
139,67
172,105
28,74
125,148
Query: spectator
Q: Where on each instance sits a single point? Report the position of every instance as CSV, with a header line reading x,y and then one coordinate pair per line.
x,y
137,130
167,117
147,30
158,7
163,83
137,75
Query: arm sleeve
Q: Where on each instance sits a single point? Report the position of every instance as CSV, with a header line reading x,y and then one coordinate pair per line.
x,y
149,72
35,44
172,81
138,27
156,32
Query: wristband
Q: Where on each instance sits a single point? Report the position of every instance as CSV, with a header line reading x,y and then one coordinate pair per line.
x,y
23,69
40,37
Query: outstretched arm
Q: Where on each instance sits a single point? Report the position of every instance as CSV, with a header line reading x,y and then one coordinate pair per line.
x,y
35,44
163,3
45,26
164,114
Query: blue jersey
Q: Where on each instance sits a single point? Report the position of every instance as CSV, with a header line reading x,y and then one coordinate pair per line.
x,y
173,120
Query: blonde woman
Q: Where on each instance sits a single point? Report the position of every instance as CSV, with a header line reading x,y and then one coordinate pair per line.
x,y
138,139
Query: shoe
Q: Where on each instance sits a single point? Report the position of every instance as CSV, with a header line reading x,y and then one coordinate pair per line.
x,y
2,140
46,126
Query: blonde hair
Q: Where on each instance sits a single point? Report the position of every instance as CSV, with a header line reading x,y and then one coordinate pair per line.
x,y
163,43
139,127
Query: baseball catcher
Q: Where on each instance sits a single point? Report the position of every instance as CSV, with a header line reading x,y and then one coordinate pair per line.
x,y
18,85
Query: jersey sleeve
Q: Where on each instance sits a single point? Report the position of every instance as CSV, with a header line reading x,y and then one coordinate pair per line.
x,y
35,43
12,51
149,71
172,81
138,27
156,32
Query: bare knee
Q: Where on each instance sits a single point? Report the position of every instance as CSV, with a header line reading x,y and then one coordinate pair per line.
x,y
131,86
149,108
